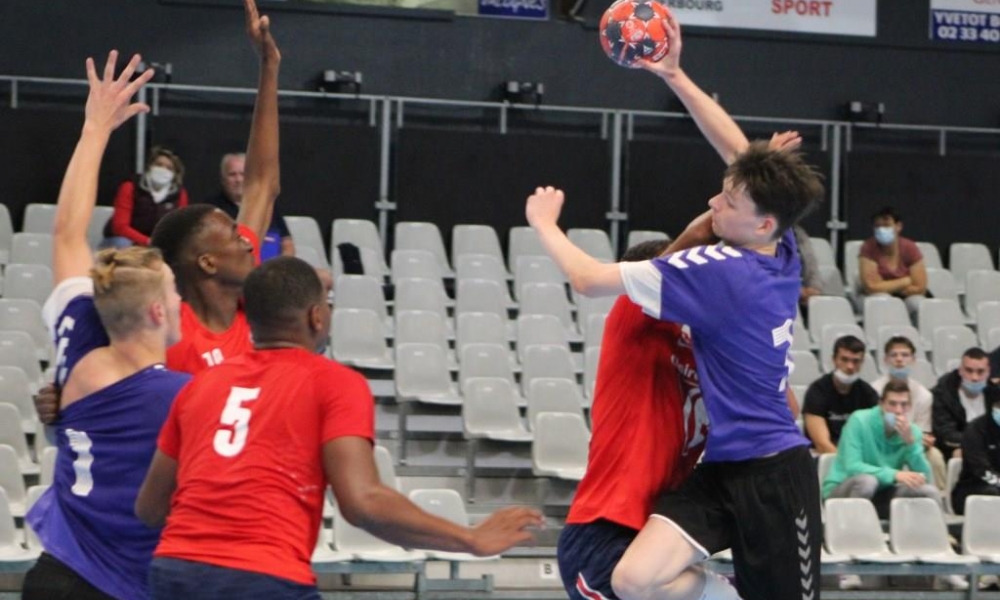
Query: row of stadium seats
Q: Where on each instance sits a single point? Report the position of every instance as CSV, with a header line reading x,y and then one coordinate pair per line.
x,y
482,240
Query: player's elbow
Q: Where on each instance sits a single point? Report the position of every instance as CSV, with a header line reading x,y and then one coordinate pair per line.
x,y
273,189
363,509
583,284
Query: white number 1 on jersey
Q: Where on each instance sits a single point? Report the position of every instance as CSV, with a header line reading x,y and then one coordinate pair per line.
x,y
230,442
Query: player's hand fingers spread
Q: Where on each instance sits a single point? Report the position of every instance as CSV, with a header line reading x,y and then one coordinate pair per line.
x,y
109,66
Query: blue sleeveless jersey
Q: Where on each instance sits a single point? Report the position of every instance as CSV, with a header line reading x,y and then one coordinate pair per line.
x,y
106,441
77,331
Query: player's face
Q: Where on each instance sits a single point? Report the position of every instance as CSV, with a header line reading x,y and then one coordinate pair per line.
x,y
735,219
233,253
173,306
232,178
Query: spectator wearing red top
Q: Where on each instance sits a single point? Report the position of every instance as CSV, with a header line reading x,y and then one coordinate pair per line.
x,y
891,264
141,202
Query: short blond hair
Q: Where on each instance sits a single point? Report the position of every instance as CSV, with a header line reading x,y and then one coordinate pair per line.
x,y
126,282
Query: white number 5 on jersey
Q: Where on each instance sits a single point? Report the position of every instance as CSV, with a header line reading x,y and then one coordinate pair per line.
x,y
229,441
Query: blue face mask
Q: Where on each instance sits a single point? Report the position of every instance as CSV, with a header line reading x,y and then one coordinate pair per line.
x,y
890,420
996,416
885,235
974,387
900,373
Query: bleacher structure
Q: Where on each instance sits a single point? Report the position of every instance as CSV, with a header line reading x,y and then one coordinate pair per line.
x,y
483,367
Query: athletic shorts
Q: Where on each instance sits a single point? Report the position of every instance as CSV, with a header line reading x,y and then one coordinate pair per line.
x,y
51,579
588,554
174,579
767,510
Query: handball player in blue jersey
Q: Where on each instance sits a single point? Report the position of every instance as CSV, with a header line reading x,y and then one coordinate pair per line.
x,y
756,490
113,319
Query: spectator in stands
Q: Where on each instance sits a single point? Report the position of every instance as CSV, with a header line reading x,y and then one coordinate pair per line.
x,y
881,457
832,398
891,264
980,460
900,354
960,397
277,241
812,282
995,366
142,201
878,445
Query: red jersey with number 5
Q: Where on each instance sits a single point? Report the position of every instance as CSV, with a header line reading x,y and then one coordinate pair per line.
x,y
201,348
248,437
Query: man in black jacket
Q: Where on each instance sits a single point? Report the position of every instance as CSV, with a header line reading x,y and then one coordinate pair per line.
x,y
980,460
960,397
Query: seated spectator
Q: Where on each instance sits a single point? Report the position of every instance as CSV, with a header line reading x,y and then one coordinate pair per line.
x,y
141,202
832,398
980,460
812,283
900,354
891,264
277,241
995,366
960,397
881,456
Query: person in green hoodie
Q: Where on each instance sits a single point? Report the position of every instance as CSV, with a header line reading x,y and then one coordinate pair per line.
x,y
880,455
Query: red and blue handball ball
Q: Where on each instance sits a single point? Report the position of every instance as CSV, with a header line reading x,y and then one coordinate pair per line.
x,y
634,30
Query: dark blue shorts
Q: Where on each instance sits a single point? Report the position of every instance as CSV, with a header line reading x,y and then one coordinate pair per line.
x,y
588,554
170,578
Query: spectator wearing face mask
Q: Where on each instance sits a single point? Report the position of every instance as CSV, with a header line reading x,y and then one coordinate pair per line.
x,y
882,455
142,201
900,354
889,263
832,398
961,396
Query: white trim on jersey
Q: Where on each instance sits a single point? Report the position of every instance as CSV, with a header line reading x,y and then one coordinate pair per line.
x,y
642,282
61,296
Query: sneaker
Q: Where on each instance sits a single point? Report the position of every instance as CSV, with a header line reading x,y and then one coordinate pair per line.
x,y
952,582
989,582
850,582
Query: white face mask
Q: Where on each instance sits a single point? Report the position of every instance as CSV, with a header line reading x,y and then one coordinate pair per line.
x,y
160,176
885,235
844,378
890,420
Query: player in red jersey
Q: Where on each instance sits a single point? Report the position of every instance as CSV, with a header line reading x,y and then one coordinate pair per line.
x,y
209,253
647,414
250,445
212,255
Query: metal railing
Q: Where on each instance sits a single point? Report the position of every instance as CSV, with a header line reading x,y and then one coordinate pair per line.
x,y
390,113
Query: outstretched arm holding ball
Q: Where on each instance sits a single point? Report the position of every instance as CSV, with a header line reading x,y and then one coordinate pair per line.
x,y
714,122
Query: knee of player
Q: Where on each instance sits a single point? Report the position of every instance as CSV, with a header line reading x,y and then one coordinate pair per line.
x,y
630,582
